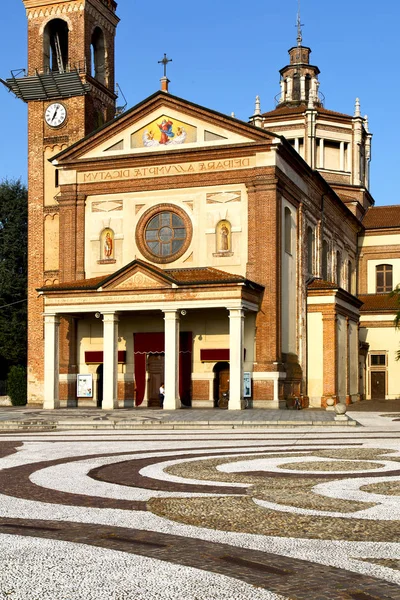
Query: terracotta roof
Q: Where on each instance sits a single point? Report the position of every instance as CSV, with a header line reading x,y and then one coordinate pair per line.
x,y
320,284
378,217
378,302
299,110
201,274
347,198
190,276
81,284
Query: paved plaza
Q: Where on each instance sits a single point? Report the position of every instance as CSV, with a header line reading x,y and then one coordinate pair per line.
x,y
277,513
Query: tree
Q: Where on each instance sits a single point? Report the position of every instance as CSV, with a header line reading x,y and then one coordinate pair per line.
x,y
13,274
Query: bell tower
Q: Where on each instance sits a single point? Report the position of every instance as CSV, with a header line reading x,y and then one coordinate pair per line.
x,y
69,87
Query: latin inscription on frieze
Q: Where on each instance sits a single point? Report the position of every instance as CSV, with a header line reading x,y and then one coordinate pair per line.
x,y
190,168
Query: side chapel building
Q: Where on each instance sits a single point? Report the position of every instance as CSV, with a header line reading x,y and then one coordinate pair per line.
x,y
175,244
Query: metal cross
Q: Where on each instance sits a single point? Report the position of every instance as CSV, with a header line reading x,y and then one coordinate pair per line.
x,y
165,61
299,25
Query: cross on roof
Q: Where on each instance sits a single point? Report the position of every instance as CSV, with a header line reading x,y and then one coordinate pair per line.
x,y
165,61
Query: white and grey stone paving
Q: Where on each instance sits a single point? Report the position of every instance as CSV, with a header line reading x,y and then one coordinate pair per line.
x,y
37,568
67,571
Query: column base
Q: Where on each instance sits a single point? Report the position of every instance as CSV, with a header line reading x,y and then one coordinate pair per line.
x,y
51,405
109,405
172,405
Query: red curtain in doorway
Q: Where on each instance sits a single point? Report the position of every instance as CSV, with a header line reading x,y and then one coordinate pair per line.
x,y
153,343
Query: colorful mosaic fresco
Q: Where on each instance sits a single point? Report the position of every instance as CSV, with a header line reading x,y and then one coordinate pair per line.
x,y
164,132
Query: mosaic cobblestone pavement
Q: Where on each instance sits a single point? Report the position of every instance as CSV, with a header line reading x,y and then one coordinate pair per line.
x,y
274,514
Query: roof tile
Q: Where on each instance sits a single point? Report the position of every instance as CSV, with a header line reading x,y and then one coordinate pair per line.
x,y
380,217
375,302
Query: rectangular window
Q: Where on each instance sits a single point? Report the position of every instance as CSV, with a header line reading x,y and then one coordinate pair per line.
x,y
377,360
384,278
332,155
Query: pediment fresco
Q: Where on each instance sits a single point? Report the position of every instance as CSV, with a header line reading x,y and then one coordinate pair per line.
x,y
164,131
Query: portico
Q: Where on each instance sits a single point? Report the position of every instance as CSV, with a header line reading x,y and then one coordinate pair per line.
x,y
144,294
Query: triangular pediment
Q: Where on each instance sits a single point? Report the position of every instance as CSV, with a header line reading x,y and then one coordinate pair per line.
x,y
163,123
137,276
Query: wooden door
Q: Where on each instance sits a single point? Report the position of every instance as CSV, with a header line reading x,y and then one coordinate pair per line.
x,y
378,385
155,372
223,388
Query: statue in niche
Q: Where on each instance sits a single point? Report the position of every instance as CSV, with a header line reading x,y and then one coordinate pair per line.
x,y
223,236
108,244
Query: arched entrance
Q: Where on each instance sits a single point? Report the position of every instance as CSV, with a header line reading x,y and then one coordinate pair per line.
x,y
221,384
99,372
155,374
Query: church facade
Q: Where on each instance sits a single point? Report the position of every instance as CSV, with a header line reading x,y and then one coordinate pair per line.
x,y
239,264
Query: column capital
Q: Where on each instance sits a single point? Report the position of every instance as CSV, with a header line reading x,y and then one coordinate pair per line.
x,y
110,316
171,313
236,313
52,318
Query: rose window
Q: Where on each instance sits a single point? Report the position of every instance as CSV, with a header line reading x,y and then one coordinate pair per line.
x,y
164,235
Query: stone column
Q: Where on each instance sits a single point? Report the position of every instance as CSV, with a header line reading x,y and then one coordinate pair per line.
x,y
289,89
342,168
51,361
110,360
236,335
283,93
171,365
321,153
303,87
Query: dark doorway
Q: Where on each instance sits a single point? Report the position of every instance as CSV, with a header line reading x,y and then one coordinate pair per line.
x,y
378,385
99,372
155,371
221,385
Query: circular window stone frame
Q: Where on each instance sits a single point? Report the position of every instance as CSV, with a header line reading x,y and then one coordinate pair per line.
x,y
141,230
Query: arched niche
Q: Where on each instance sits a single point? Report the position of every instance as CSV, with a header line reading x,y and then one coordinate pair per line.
x,y
98,56
223,237
55,46
107,245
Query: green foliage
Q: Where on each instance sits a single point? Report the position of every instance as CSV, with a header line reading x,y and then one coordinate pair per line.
x,y
13,274
16,385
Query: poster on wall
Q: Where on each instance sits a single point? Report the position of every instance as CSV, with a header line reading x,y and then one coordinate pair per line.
x,y
246,385
85,386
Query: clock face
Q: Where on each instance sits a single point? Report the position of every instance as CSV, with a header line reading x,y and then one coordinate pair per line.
x,y
55,114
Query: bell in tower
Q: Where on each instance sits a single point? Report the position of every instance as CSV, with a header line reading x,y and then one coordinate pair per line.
x,y
55,46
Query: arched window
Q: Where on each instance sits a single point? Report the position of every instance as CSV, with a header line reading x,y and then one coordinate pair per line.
x,y
310,250
349,277
308,85
325,255
55,46
98,56
384,278
296,93
338,268
288,230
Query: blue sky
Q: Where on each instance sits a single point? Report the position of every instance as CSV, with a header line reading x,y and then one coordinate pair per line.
x,y
226,52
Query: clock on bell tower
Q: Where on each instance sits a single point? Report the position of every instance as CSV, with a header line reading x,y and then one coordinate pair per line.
x,y
69,87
